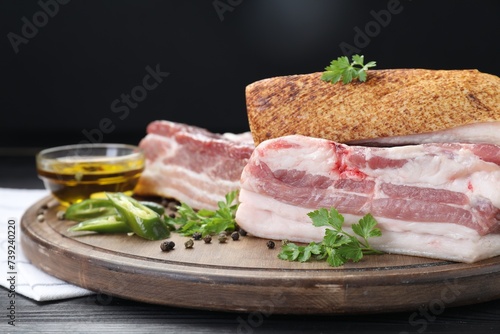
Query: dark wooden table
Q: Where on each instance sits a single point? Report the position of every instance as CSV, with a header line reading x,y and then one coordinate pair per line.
x,y
103,314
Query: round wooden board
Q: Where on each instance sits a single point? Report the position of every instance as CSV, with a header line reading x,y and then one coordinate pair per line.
x,y
246,276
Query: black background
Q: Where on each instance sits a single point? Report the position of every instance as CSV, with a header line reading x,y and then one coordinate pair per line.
x,y
64,79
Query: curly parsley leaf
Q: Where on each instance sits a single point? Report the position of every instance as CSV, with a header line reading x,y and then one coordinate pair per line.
x,y
207,222
293,252
342,69
337,246
322,217
334,259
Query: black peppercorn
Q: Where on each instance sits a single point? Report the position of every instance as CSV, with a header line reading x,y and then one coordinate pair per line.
x,y
207,239
242,232
189,243
196,235
235,235
222,238
270,244
61,215
167,246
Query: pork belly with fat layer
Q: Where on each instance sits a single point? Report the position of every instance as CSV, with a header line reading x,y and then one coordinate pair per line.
x,y
191,164
436,200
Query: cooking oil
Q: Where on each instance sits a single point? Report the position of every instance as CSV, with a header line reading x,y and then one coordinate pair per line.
x,y
71,181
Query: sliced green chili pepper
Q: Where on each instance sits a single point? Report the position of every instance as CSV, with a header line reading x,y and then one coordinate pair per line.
x,y
156,207
90,208
142,220
106,224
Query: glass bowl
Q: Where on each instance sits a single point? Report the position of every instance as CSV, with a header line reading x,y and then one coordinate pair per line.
x,y
76,172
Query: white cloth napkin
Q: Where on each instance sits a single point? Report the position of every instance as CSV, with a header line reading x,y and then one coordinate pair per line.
x,y
29,281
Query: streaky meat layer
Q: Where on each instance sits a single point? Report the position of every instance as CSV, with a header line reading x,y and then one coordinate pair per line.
x,y
192,164
429,199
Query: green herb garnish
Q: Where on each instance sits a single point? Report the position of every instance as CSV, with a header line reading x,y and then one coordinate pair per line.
x,y
338,246
343,69
207,222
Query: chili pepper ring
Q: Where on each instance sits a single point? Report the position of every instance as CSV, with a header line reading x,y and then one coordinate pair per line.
x,y
142,220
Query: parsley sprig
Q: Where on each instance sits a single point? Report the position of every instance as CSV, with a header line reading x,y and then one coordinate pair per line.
x,y
347,71
338,246
207,222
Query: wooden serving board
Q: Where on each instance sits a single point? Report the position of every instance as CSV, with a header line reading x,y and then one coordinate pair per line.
x,y
246,276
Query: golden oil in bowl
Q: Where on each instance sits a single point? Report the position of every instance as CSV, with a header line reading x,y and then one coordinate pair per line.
x,y
75,172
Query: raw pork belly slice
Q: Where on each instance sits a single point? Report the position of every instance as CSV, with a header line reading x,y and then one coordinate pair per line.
x,y
191,164
432,200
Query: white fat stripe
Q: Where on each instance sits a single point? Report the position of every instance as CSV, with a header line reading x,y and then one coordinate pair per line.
x,y
196,190
487,132
304,156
